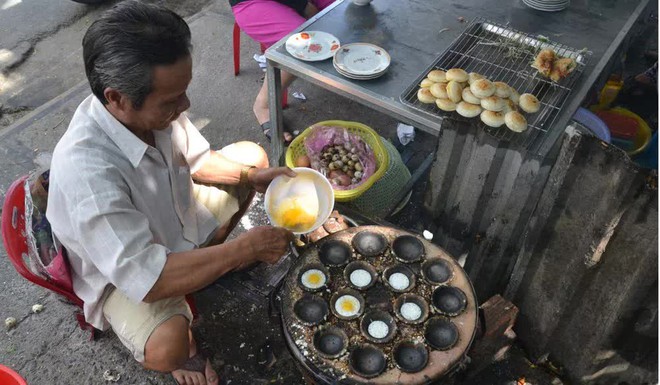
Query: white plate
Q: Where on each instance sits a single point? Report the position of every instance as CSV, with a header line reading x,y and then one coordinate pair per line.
x,y
542,6
362,59
312,45
359,77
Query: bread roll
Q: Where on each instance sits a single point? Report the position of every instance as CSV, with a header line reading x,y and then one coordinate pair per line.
x,y
509,105
437,76
468,110
492,118
445,105
454,91
515,121
492,103
473,77
482,88
502,89
439,90
469,97
529,103
426,83
515,96
457,74
425,96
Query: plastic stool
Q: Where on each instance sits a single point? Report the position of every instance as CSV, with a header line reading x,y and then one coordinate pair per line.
x,y
237,58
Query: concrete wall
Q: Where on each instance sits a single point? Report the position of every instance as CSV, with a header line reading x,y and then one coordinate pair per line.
x,y
481,194
586,280
571,239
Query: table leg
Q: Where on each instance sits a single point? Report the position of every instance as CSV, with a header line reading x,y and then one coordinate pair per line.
x,y
275,108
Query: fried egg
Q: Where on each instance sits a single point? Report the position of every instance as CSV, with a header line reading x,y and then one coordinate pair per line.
x,y
347,306
360,278
411,311
313,279
399,281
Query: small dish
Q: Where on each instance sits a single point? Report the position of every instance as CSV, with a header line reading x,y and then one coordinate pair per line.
x,y
360,275
449,300
330,341
310,309
347,304
335,253
313,277
312,45
362,59
378,326
410,357
300,204
440,333
367,361
397,283
437,271
411,309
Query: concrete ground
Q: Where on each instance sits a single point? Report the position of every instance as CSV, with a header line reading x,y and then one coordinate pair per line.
x,y
49,348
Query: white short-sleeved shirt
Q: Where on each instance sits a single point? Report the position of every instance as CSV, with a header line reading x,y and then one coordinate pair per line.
x,y
120,206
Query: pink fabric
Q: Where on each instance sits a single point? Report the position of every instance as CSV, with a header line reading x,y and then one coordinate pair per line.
x,y
268,21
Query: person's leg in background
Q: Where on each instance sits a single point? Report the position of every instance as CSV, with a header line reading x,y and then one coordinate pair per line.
x,y
268,21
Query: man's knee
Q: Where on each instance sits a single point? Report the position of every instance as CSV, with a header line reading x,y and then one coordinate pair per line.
x,y
168,347
247,153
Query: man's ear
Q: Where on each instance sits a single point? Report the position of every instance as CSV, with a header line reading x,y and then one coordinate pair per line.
x,y
116,100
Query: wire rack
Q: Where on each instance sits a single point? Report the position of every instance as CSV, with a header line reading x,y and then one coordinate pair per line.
x,y
504,54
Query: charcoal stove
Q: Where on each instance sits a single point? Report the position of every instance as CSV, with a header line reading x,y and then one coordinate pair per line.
x,y
363,327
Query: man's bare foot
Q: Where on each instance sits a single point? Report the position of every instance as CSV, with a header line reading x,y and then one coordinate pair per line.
x,y
196,372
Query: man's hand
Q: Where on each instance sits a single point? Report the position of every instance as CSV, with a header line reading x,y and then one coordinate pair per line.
x,y
268,244
310,10
260,178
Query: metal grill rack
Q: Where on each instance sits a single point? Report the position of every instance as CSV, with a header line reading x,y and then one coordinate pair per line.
x,y
504,54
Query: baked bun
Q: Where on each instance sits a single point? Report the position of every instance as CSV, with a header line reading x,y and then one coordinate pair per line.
x,y
502,89
492,118
468,110
425,96
469,97
426,83
529,103
509,105
437,76
515,96
457,74
492,103
445,105
454,91
439,90
482,88
473,77
515,121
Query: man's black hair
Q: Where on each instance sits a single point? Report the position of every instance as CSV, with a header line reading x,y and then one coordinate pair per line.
x,y
121,48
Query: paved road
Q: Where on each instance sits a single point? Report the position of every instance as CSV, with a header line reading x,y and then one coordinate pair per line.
x,y
40,50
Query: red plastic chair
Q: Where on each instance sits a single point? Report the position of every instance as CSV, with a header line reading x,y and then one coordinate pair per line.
x,y
16,245
237,59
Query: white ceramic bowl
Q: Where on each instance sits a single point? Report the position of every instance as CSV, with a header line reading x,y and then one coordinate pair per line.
x,y
322,187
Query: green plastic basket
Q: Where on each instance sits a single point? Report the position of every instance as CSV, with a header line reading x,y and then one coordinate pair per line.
x,y
378,198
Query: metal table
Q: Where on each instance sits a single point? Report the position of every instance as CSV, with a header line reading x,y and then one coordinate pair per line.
x,y
415,32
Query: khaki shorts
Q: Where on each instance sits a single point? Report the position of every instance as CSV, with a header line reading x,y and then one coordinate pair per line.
x,y
222,201
134,322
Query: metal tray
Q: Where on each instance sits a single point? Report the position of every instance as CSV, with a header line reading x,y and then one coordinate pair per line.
x,y
504,54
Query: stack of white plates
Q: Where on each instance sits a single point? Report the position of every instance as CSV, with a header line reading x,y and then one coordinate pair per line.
x,y
547,5
361,61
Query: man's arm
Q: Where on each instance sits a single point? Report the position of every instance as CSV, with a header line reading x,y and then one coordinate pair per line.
x,y
219,169
189,271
